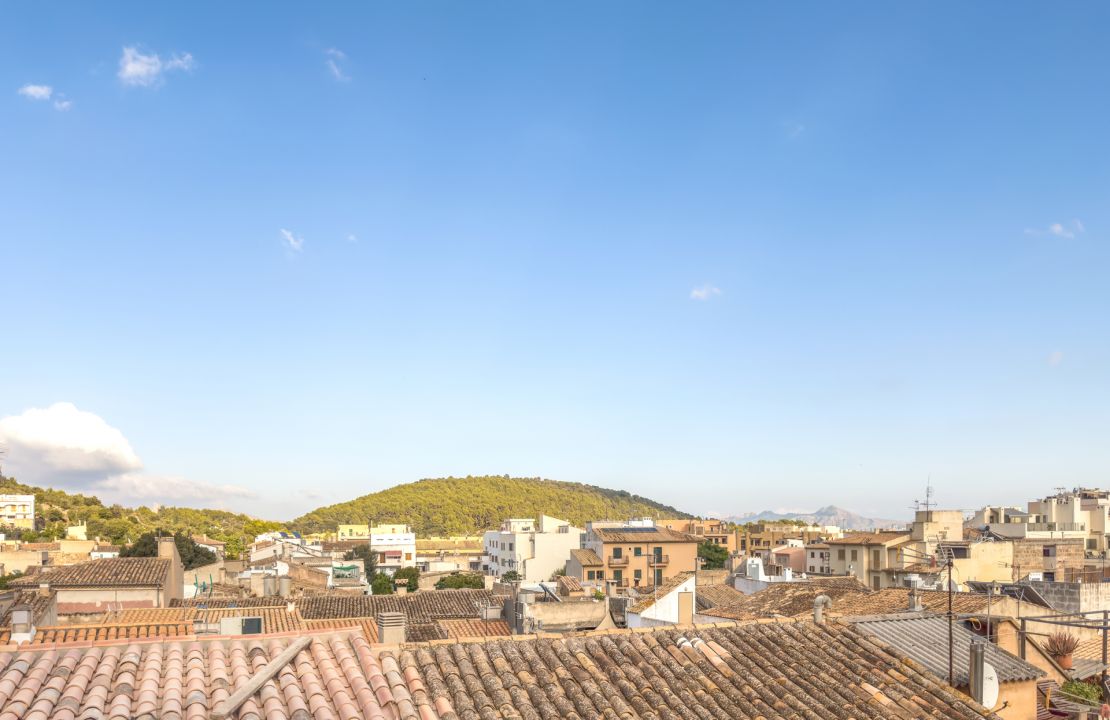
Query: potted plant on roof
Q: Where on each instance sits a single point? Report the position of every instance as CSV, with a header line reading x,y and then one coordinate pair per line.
x,y
1061,645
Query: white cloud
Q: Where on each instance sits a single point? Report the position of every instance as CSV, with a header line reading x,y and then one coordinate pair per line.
x,y
139,488
1060,230
1056,358
704,292
352,238
63,446
135,68
62,105
332,58
293,242
36,92
62,439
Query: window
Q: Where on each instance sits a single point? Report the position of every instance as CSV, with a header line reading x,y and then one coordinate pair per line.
x,y
638,574
811,568
589,574
408,556
617,553
839,554
855,555
637,551
876,558
510,547
618,575
600,574
658,576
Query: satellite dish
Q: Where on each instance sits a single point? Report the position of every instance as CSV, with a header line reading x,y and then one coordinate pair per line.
x,y
990,686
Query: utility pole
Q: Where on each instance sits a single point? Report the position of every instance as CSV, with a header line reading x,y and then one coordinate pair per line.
x,y
951,674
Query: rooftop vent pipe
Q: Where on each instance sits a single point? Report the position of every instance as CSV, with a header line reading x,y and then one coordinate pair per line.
x,y
821,603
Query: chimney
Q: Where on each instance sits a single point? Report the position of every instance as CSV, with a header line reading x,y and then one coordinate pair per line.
x,y
975,671
391,628
915,600
23,625
44,589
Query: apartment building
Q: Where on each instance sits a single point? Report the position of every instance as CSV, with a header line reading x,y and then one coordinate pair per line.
x,y
867,555
716,532
1079,514
534,550
18,511
817,559
633,555
760,539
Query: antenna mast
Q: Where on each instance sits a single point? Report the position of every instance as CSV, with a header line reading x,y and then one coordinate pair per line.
x,y
928,503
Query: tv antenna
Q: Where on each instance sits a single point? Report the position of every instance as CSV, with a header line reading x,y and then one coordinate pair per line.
x,y
928,503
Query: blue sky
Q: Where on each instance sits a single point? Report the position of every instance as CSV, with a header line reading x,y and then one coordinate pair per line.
x,y
731,257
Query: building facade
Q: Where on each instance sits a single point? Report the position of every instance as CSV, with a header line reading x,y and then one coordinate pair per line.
x,y
715,532
18,511
533,550
633,556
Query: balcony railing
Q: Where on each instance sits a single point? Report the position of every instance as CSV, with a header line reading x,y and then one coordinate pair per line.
x,y
618,561
658,560
622,583
1057,526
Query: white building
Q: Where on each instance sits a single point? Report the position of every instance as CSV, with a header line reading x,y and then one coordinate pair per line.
x,y
672,604
535,551
394,546
18,511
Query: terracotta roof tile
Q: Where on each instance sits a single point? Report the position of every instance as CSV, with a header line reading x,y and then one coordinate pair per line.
x,y
709,596
106,572
419,607
776,670
38,603
586,557
474,628
864,538
647,600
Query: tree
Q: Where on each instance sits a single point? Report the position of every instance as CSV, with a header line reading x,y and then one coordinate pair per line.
x,y
461,580
559,573
382,584
714,555
369,559
192,555
408,573
5,579
511,577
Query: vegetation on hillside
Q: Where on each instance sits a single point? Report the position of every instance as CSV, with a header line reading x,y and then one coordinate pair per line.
x,y
471,505
192,555
714,555
122,525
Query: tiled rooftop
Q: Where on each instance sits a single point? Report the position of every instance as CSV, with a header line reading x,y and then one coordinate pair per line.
x,y
874,538
645,601
38,603
709,596
586,557
642,535
107,572
787,599
418,607
895,600
763,670
267,601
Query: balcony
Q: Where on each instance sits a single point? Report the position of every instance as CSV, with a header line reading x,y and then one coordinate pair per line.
x,y
622,583
658,560
618,562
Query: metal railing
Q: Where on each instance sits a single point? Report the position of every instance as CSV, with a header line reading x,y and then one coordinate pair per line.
x,y
615,561
657,560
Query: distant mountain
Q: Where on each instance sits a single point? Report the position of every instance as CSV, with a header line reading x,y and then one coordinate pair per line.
x,y
470,505
828,515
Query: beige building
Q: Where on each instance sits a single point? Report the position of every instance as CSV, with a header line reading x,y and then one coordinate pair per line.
x,y
624,557
760,539
715,532
18,511
868,555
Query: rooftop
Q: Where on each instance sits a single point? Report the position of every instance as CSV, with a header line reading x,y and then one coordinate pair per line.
x,y
869,538
642,535
760,670
586,557
672,583
924,639
712,595
106,572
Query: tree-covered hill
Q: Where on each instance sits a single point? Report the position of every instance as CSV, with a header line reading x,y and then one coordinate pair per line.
x,y
470,505
122,525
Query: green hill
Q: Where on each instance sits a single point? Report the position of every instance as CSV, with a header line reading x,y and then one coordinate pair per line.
x,y
470,505
123,525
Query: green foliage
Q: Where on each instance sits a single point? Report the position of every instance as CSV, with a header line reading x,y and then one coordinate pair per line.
x,y
5,579
408,573
714,555
1084,690
461,580
382,584
466,506
559,573
369,559
192,555
121,525
599,595
511,576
